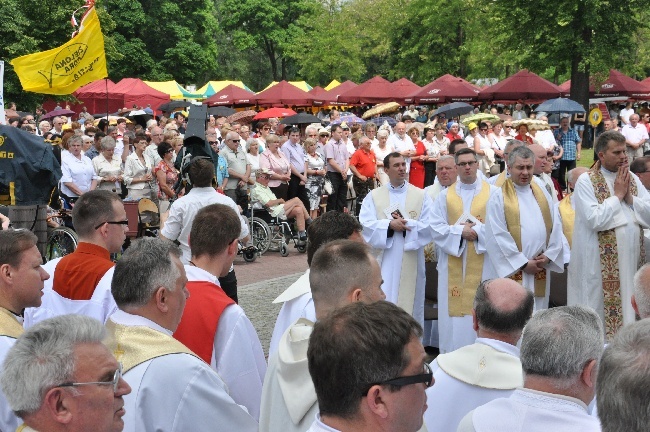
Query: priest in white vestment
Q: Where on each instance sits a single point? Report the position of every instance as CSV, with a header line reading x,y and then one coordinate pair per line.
x,y
560,350
608,228
488,369
396,219
459,239
524,233
288,396
173,389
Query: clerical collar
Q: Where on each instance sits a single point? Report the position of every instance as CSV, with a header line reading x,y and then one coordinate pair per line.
x,y
521,188
398,187
468,186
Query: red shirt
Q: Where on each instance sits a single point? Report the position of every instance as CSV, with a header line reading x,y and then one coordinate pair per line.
x,y
77,275
525,138
365,163
452,136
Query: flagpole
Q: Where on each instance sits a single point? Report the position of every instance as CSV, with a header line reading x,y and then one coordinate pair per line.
x,y
106,82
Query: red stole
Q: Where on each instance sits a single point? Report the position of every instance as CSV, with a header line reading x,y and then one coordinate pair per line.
x,y
203,309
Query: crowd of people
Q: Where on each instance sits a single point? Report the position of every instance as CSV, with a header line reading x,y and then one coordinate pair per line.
x,y
157,341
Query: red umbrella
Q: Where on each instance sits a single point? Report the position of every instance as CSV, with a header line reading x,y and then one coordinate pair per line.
x,y
375,90
446,89
283,93
619,84
402,90
333,94
230,95
274,112
523,85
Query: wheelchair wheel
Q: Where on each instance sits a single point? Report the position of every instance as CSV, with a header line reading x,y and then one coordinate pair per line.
x,y
284,250
302,249
261,235
62,241
249,256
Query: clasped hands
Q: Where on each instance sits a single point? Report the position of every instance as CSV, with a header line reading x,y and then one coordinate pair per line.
x,y
622,184
536,264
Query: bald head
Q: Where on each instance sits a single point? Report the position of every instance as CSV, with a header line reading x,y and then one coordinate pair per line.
x,y
446,170
400,129
573,176
540,158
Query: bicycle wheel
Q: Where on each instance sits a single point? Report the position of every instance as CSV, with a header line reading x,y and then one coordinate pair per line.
x,y
62,241
261,235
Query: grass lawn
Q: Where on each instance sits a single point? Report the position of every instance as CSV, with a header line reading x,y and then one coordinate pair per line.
x,y
586,158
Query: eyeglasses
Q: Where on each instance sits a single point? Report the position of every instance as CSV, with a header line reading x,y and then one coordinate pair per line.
x,y
508,127
484,129
156,134
122,222
312,135
426,378
169,151
266,128
264,176
114,382
464,164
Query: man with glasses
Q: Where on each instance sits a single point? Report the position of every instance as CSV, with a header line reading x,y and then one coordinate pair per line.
x,y
60,377
81,280
369,371
151,152
459,232
57,122
239,170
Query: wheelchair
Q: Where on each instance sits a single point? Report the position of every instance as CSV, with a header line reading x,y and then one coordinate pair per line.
x,y
272,233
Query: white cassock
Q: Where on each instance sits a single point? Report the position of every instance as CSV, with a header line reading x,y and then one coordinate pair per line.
x,y
100,306
451,398
455,332
8,420
288,397
237,357
177,393
585,279
531,411
296,303
375,232
502,250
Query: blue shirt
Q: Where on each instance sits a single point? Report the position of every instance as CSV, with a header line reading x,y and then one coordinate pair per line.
x,y
569,141
295,154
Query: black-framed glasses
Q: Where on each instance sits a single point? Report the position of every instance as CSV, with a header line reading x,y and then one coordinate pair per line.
x,y
122,222
426,378
114,382
509,127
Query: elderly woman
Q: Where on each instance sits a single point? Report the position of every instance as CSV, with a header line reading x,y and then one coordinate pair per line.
x,y
416,176
381,150
274,160
253,156
437,144
44,126
78,171
166,175
370,130
522,134
138,175
315,171
108,167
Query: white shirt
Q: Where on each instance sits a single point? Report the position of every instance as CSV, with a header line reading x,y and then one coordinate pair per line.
x,y
80,172
625,114
635,134
400,145
134,168
8,420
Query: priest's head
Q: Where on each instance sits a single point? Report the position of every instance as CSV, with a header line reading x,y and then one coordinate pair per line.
x,y
623,376
467,165
368,368
58,376
395,168
560,350
540,158
521,165
610,148
446,171
512,144
149,280
641,167
331,226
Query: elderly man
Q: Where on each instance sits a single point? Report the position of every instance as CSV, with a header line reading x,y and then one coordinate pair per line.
x,y
59,377
635,135
367,365
213,326
502,307
337,157
239,170
57,123
297,301
81,281
541,163
641,167
612,207
149,288
402,144
363,165
571,143
21,285
459,233
342,272
295,154
523,230
641,297
446,174
560,350
396,219
151,152
623,378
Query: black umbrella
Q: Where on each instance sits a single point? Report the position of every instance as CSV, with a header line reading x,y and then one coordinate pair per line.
x,y
140,117
454,109
300,118
221,111
560,105
171,106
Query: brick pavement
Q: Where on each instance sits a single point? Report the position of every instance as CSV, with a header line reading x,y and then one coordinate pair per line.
x,y
269,266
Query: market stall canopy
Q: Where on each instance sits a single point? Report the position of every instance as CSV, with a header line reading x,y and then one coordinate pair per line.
x,y
446,89
95,86
402,90
94,97
331,85
212,87
375,90
619,84
524,86
173,89
283,93
302,85
333,94
321,96
136,92
230,95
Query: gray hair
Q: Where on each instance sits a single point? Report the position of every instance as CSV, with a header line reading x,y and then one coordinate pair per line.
x,y
43,358
151,123
622,391
250,142
513,144
522,152
382,132
447,157
557,343
75,139
144,267
107,143
42,123
310,128
604,138
642,291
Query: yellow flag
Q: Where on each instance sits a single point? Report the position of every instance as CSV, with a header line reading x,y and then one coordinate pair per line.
x,y
62,70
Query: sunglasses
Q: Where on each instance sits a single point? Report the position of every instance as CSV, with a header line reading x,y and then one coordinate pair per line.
x,y
123,222
426,378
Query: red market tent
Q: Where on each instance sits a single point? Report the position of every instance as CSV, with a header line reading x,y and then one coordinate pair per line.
x,y
283,93
231,95
321,96
333,94
446,89
94,97
375,90
524,86
402,90
619,84
136,92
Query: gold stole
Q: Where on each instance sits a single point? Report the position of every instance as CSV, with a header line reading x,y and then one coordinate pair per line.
x,y
462,292
501,179
409,268
513,223
430,255
134,345
9,325
568,218
608,248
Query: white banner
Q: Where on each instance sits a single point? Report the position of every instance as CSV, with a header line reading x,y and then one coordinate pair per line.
x,y
2,98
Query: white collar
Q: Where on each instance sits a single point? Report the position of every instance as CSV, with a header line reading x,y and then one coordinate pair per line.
x,y
195,274
398,188
498,345
564,399
131,320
